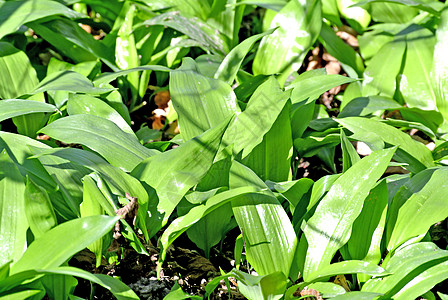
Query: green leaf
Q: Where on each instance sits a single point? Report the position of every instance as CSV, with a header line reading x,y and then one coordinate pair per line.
x,y
368,228
86,104
16,13
171,174
66,202
75,42
17,75
376,134
358,296
90,206
364,106
193,27
38,209
349,58
424,282
284,50
269,236
349,154
60,243
118,181
181,224
382,71
262,111
429,7
416,84
101,135
270,286
405,265
114,285
358,18
200,102
108,77
309,89
389,12
271,159
13,223
421,202
329,227
17,107
347,267
232,62
68,81
440,65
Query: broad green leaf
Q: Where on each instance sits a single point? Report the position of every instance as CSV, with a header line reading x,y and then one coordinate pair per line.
x,y
181,224
58,286
38,209
405,265
19,295
246,88
200,102
114,285
75,43
13,223
275,5
364,106
293,191
227,19
16,13
389,12
108,77
68,81
424,282
349,154
232,62
60,243
347,267
430,7
270,286
368,228
357,17
90,206
66,203
419,202
101,135
370,42
284,50
211,229
99,191
17,75
268,234
320,188
86,104
350,60
431,119
416,84
271,159
262,110
17,107
309,89
376,134
358,296
440,65
193,27
126,55
171,174
118,181
197,8
329,227
382,71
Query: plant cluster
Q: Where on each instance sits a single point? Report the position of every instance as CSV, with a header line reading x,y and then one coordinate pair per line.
x,y
80,169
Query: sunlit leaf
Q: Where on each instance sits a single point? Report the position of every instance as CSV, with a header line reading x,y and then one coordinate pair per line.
x,y
329,227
